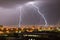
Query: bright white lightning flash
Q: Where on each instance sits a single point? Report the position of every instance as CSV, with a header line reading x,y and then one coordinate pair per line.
x,y
19,16
32,3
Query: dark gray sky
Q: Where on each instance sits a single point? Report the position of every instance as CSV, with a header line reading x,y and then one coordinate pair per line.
x,y
9,12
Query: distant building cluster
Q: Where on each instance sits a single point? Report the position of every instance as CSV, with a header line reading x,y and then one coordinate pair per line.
x,y
27,28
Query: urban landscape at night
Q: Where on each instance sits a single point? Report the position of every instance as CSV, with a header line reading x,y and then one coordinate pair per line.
x,y
30,32
29,19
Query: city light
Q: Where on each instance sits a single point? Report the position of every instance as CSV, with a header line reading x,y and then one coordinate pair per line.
x,y
29,20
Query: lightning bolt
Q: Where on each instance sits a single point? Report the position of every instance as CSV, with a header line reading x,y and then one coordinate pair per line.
x,y
20,17
40,14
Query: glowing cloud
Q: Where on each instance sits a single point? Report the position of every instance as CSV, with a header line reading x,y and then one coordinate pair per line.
x,y
30,3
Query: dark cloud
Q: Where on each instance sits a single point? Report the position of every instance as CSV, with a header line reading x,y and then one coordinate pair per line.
x,y
50,9
9,15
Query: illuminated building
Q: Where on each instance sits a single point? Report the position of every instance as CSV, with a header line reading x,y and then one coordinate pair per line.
x,y
32,32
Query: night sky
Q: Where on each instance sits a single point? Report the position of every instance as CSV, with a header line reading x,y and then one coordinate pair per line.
x,y
9,12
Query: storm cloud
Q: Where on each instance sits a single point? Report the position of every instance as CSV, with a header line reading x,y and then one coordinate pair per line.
x,y
9,12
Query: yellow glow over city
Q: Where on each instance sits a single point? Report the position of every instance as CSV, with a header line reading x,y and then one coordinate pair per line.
x,y
27,28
